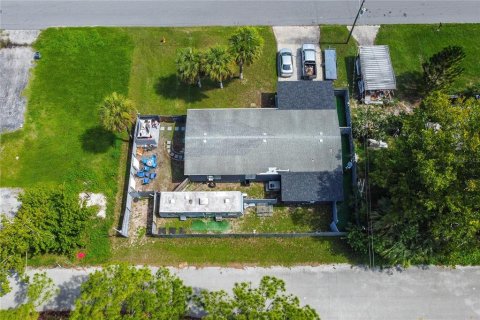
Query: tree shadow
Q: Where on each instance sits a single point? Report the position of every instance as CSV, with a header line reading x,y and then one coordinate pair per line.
x,y
314,216
69,291
21,293
169,87
97,140
410,86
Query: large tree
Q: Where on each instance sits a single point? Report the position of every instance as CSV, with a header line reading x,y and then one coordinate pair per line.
x,y
267,301
127,292
39,290
426,185
218,64
49,221
117,113
246,46
441,69
190,66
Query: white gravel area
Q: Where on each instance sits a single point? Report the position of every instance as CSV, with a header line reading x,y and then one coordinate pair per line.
x,y
365,35
21,37
15,64
95,199
9,203
292,37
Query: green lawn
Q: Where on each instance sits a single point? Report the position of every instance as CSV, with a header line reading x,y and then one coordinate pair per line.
x,y
410,45
61,141
154,85
237,252
334,36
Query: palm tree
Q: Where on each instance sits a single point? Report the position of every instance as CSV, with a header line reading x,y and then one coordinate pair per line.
x,y
245,46
218,62
117,113
190,66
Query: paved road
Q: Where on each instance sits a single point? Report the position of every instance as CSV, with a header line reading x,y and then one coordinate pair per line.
x,y
335,291
38,14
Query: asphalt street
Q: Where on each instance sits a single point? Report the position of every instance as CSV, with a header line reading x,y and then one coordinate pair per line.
x,y
340,292
39,14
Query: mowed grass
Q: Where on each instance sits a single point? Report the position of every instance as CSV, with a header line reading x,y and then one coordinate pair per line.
x,y
411,45
61,142
238,252
156,90
334,36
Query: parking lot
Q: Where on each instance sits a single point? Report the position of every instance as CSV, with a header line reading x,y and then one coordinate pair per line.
x,y
292,37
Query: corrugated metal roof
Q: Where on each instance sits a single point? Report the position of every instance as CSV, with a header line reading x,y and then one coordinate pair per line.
x,y
376,68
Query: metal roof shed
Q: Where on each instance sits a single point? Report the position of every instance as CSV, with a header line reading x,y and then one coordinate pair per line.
x,y
330,64
376,68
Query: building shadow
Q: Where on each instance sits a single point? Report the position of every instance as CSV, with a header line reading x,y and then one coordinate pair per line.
x,y
350,72
97,140
267,99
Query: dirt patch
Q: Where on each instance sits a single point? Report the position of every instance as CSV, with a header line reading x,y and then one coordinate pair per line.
x,y
138,221
9,203
95,199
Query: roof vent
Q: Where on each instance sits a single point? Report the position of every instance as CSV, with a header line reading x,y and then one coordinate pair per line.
x,y
203,201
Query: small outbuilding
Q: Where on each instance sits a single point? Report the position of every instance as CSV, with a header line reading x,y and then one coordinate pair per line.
x,y
376,79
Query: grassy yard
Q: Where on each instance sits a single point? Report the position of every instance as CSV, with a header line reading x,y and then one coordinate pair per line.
x,y
334,36
61,141
236,252
154,85
410,45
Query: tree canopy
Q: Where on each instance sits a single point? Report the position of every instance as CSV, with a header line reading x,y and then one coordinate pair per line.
x,y
127,292
117,113
246,46
267,301
426,185
218,64
49,221
190,66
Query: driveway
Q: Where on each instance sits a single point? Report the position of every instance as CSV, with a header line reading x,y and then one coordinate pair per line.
x,y
292,37
337,292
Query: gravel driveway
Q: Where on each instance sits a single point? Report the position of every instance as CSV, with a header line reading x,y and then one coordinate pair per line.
x,y
15,64
292,37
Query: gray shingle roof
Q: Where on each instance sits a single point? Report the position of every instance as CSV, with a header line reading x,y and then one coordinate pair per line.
x,y
250,141
322,186
376,68
305,95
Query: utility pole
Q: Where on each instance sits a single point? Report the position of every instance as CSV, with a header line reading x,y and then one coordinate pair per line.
x,y
361,10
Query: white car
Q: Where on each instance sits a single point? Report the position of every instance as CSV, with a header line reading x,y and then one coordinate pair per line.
x,y
285,63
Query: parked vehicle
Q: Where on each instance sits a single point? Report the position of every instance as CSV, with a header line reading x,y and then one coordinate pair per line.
x,y
285,63
309,61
